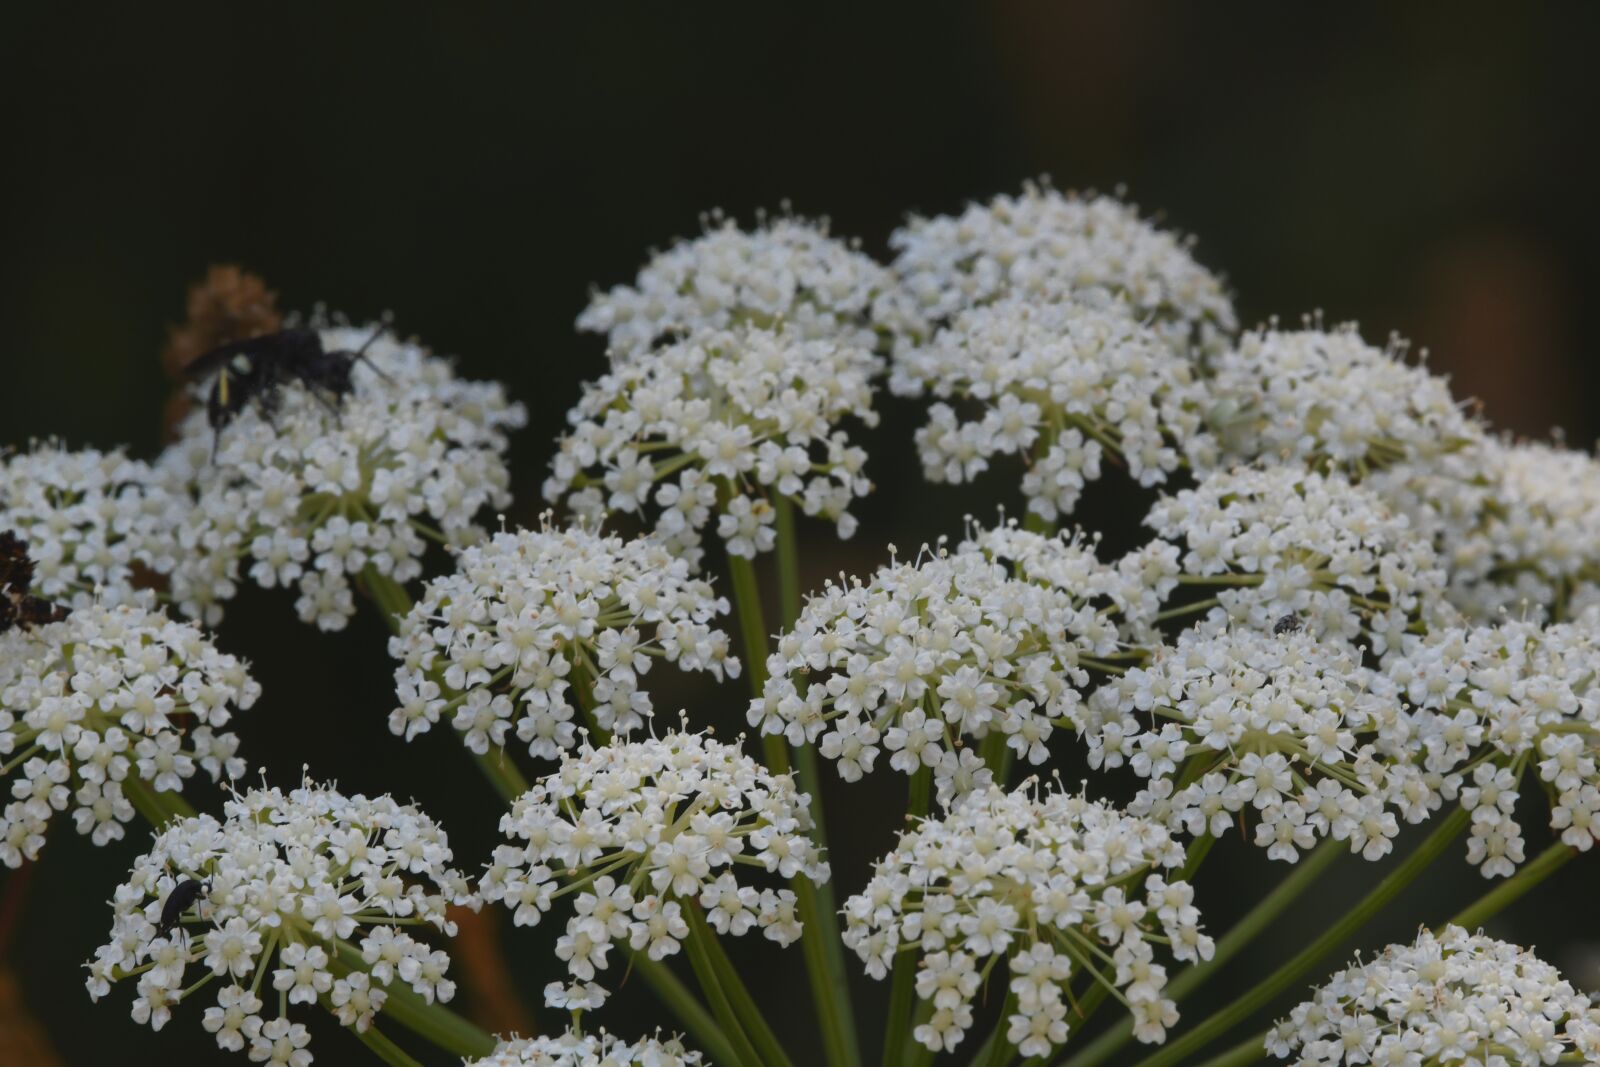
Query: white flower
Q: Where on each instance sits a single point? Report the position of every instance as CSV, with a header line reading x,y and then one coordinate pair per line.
x,y
1060,384
303,892
718,422
644,829
107,693
952,646
787,269
1288,731
320,494
1046,246
1502,700
498,645
1517,525
1051,881
1453,998
89,519
1287,543
1333,402
576,1049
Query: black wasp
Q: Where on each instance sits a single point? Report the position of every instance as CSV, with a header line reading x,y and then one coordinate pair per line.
x,y
255,370
19,608
182,895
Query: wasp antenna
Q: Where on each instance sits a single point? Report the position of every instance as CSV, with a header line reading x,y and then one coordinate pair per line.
x,y
384,322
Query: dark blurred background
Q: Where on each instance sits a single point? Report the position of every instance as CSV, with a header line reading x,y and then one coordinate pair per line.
x,y
1420,170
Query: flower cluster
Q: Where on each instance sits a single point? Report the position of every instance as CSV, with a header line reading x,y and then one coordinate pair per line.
x,y
646,834
1519,526
1051,883
721,420
322,493
90,519
1496,700
947,647
1329,400
529,614
109,693
322,885
1284,726
574,1049
1062,384
1287,541
786,270
1047,246
1456,997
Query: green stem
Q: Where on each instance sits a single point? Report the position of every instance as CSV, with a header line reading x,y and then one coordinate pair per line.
x,y
996,1050
385,1049
788,562
155,808
1251,1050
388,594
752,627
743,1054
996,755
903,979
1263,992
1514,888
502,774
821,944
703,1029
744,1006
1305,873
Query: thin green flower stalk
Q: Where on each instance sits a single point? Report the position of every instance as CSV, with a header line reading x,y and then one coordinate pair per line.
x,y
1262,993
1306,873
823,953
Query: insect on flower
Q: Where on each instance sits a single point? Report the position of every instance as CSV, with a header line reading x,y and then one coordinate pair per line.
x,y
17,606
1289,624
182,896
252,371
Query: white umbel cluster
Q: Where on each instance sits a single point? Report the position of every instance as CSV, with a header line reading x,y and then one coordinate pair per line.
x,y
642,830
929,655
575,1049
1287,541
1496,702
1329,400
1047,246
90,519
499,644
109,694
306,897
786,270
1283,729
1455,998
1050,882
1069,386
713,426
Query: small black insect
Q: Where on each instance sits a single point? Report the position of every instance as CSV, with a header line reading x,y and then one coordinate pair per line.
x,y
18,607
179,900
1287,625
255,370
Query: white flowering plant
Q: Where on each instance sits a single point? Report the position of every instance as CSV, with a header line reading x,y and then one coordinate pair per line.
x,y
1359,624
